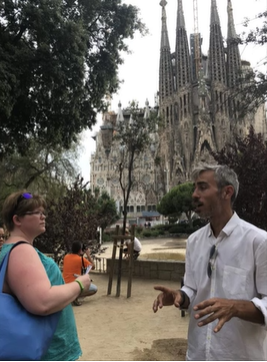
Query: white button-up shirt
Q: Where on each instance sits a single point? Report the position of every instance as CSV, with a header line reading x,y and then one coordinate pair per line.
x,y
239,271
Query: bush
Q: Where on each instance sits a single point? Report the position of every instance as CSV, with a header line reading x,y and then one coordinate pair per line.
x,y
147,233
161,231
106,237
154,233
167,227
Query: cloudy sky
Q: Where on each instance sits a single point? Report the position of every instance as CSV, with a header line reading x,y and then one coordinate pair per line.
x,y
140,69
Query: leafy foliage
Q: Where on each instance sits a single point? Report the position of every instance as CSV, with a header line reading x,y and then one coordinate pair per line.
x,y
177,201
58,61
253,90
75,216
41,169
248,157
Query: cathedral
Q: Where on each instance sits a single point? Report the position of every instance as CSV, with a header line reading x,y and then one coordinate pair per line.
x,y
199,95
200,107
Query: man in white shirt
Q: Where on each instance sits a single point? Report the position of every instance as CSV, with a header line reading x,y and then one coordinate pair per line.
x,y
137,247
225,283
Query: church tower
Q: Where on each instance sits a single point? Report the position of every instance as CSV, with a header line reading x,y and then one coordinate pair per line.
x,y
233,70
218,80
183,97
198,106
166,89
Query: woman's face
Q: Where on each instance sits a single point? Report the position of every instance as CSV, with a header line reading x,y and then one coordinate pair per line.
x,y
33,222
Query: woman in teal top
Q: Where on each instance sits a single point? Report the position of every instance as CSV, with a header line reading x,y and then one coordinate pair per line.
x,y
35,279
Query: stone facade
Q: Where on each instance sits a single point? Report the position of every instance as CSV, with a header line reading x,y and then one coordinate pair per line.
x,y
199,98
199,105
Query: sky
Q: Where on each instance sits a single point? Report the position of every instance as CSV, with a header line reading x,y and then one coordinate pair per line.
x,y
140,71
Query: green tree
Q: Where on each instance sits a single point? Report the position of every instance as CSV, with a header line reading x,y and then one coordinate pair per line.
x,y
248,157
252,89
134,136
40,169
58,61
177,201
106,210
75,216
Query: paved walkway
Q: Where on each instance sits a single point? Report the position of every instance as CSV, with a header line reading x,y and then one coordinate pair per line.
x,y
157,245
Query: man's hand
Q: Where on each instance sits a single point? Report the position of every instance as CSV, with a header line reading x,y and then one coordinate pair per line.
x,y
166,297
215,308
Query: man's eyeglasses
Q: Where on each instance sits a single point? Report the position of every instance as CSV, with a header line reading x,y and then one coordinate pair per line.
x,y
40,213
210,265
2,236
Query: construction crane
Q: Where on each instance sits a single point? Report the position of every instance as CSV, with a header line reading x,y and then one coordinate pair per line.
x,y
196,39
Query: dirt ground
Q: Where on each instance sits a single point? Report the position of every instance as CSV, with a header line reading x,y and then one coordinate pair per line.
x,y
121,329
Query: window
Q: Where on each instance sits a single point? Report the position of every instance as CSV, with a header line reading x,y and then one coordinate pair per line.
x,y
130,208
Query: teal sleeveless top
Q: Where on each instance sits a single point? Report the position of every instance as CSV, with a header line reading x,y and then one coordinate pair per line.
x,y
65,345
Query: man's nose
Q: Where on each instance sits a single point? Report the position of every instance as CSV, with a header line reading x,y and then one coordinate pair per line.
x,y
195,194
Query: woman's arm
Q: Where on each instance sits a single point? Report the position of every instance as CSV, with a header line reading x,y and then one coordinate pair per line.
x,y
26,278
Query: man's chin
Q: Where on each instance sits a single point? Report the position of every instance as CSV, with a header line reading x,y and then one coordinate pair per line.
x,y
202,214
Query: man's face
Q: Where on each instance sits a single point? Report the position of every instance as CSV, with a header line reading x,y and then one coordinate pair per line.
x,y
207,198
2,236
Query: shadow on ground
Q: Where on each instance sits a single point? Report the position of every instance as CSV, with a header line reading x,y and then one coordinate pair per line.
x,y
163,350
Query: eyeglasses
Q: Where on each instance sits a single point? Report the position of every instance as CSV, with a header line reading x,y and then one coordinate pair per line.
x,y
210,265
24,196
40,213
2,236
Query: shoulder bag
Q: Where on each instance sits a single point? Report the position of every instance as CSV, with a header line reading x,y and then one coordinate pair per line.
x,y
24,336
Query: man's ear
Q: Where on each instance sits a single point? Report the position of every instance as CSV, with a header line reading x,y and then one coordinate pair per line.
x,y
228,192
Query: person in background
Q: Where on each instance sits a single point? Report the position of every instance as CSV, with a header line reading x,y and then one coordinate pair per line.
x,y
225,283
41,290
74,264
137,247
2,236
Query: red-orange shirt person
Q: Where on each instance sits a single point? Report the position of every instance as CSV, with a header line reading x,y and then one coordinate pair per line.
x,y
73,264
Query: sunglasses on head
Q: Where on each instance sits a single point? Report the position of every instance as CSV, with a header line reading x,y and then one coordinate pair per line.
x,y
24,196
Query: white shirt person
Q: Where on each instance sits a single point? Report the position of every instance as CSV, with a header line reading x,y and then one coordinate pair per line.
x,y
225,284
239,271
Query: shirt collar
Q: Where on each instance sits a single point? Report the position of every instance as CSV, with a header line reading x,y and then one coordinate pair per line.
x,y
229,227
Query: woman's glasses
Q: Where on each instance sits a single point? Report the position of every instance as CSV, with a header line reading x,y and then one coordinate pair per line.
x,y
210,265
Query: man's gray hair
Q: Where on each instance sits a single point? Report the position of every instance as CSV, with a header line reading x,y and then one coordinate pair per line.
x,y
223,175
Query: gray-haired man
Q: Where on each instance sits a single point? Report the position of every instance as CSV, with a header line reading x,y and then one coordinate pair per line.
x,y
225,284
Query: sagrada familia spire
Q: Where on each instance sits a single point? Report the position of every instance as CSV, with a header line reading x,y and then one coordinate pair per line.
x,y
196,105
